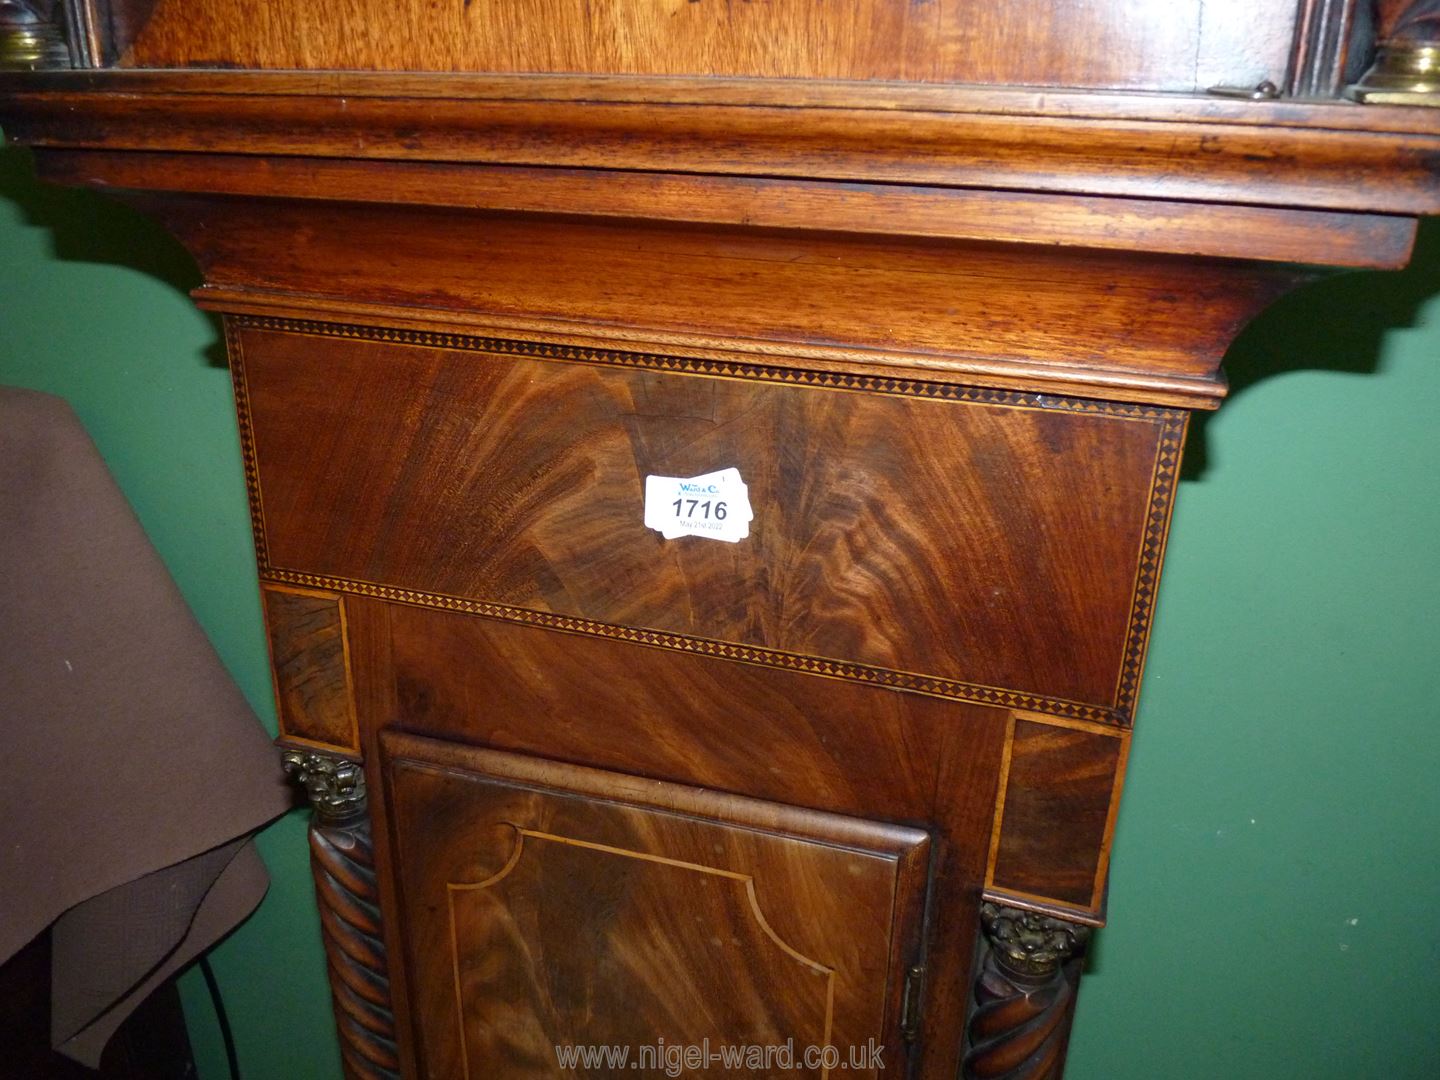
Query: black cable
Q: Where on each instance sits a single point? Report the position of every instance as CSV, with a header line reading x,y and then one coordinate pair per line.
x,y
226,1035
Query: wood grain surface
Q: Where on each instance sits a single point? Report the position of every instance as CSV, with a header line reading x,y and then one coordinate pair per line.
x,y
1127,325
1183,45
1077,106
1233,232
1064,320
554,906
991,544
1053,832
1319,155
311,668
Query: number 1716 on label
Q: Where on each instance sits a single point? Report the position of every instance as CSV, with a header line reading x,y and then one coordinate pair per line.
x,y
704,509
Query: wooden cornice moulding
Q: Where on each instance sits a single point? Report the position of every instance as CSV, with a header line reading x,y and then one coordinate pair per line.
x,y
1316,155
1062,103
713,354
1260,233
987,221
1110,324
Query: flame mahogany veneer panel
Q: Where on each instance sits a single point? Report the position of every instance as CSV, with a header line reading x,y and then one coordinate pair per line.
x,y
999,545
1060,794
548,905
697,720
312,672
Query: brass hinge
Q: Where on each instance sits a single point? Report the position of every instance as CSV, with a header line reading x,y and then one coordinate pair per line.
x,y
910,1002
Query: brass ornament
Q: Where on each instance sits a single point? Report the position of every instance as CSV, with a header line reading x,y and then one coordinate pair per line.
x,y
334,785
1406,70
1029,945
31,37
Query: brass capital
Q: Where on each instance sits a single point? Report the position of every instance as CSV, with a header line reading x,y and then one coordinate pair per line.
x,y
334,785
1030,945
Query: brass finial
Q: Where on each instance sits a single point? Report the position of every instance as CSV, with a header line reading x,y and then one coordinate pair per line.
x,y
1406,70
30,35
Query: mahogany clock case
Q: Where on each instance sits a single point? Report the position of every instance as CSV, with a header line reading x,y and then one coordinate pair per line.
x,y
854,779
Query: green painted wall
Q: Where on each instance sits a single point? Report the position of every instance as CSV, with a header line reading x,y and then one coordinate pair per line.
x,y
1277,880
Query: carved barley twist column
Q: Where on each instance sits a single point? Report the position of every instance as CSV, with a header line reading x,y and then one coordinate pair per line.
x,y
343,863
1024,996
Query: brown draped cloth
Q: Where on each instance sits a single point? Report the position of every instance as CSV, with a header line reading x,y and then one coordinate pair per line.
x,y
132,770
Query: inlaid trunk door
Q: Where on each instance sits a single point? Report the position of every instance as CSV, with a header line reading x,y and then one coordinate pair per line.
x,y
569,922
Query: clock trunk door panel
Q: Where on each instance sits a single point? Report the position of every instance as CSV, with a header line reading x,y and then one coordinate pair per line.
x,y
555,912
